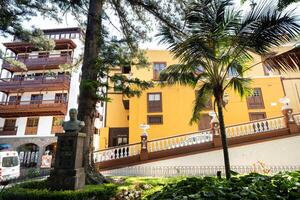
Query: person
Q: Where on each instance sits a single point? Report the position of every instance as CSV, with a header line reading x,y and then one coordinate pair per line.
x,y
73,124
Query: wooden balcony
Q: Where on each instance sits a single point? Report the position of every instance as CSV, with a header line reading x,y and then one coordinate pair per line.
x,y
38,62
25,47
32,108
8,131
35,83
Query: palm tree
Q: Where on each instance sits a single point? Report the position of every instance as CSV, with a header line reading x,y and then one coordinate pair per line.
x,y
217,40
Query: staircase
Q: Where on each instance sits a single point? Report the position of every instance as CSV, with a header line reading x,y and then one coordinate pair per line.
x,y
197,142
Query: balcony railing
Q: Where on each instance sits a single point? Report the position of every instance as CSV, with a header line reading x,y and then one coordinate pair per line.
x,y
35,83
8,130
35,62
33,108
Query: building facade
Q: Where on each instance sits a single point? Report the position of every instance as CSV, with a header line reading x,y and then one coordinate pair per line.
x,y
35,100
168,110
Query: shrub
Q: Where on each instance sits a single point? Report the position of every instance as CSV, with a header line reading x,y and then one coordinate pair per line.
x,y
252,186
37,190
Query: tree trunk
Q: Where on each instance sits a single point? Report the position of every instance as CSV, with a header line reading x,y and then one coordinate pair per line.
x,y
223,137
87,100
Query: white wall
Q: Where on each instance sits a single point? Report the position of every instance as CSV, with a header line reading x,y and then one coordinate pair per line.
x,y
45,126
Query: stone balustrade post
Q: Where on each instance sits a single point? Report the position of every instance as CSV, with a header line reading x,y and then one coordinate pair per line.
x,y
289,119
215,130
144,147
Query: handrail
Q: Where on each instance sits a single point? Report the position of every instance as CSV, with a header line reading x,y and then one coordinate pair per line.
x,y
36,78
28,56
254,121
34,102
179,135
183,140
198,137
120,146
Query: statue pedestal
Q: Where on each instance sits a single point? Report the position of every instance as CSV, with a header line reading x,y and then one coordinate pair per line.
x,y
68,173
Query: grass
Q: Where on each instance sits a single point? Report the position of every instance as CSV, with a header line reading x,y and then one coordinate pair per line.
x,y
148,185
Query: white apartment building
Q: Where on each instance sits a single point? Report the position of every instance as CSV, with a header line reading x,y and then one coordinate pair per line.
x,y
35,101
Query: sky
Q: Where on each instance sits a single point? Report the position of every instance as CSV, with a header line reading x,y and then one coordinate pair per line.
x,y
69,21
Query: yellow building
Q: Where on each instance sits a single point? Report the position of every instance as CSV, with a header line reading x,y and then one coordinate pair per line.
x,y
168,110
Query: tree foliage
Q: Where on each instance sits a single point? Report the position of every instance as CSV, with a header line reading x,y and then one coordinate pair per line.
x,y
215,46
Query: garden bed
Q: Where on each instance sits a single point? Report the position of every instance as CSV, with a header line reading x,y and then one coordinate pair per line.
x,y
252,186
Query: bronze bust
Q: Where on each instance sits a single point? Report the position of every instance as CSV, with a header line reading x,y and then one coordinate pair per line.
x,y
73,124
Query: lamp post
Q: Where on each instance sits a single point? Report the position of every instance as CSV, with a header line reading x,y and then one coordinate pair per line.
x,y
144,140
287,112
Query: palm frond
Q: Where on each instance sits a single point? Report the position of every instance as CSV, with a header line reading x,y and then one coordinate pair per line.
x,y
203,95
179,74
265,28
289,60
240,85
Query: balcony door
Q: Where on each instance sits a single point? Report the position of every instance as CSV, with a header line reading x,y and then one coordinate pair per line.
x,y
9,125
61,98
118,136
157,68
14,100
31,126
36,99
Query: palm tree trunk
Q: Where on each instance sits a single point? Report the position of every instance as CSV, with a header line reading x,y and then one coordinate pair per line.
x,y
223,137
87,100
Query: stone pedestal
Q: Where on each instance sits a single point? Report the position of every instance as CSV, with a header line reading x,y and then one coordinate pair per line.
x,y
289,120
215,130
144,147
68,173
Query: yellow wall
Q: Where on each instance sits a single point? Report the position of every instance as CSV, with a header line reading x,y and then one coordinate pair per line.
x,y
177,109
178,103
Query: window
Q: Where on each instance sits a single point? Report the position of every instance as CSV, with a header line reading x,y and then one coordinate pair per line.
x,y
65,53
43,54
11,161
73,36
154,102
14,100
18,77
36,99
118,85
38,76
155,119
255,100
157,68
257,116
232,72
9,125
126,69
60,97
199,69
32,122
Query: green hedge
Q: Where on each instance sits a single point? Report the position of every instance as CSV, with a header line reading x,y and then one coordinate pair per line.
x,y
253,186
37,191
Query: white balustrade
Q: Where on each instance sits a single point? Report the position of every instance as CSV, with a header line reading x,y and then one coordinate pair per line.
x,y
297,118
117,152
169,171
180,141
255,127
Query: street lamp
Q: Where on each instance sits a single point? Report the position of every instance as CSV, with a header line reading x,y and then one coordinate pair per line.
x,y
286,102
144,127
